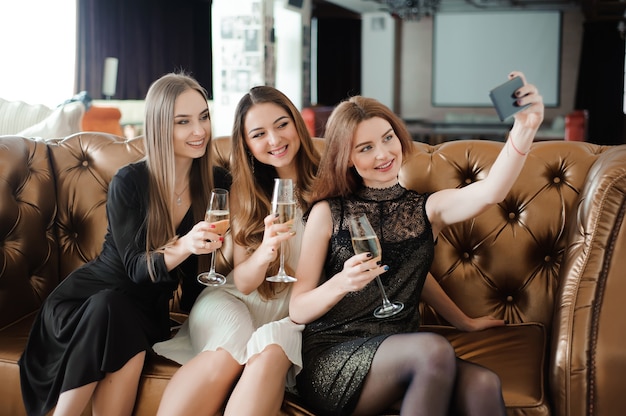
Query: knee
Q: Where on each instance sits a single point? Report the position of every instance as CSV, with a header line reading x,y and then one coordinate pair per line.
x,y
486,384
108,303
271,356
440,355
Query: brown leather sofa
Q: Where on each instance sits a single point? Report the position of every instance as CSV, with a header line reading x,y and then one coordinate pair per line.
x,y
551,259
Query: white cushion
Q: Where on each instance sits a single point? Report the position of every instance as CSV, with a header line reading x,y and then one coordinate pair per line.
x,y
63,121
15,116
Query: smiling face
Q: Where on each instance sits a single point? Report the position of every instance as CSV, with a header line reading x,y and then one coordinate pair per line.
x,y
272,137
192,126
376,153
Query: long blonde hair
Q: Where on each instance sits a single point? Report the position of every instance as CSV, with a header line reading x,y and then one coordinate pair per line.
x,y
335,177
252,181
159,131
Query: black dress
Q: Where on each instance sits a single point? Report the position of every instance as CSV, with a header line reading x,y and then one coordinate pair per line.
x,y
338,348
108,310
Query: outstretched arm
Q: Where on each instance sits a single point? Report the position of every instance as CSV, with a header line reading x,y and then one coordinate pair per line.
x,y
450,206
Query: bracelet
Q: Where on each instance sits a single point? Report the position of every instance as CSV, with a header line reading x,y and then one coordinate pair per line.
x,y
519,152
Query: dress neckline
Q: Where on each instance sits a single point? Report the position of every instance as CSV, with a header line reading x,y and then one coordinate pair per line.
x,y
380,194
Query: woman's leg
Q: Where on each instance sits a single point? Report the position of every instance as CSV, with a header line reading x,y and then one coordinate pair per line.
x,y
73,402
261,388
117,392
418,369
477,391
201,386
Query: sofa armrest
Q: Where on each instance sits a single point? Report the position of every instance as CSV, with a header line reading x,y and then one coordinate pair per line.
x,y
588,372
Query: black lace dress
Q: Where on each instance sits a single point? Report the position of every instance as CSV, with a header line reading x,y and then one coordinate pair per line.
x,y
338,348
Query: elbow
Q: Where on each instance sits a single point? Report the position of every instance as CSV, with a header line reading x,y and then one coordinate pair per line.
x,y
244,288
294,315
497,198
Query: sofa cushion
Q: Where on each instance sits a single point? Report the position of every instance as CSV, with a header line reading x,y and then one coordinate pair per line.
x,y
517,353
63,121
16,116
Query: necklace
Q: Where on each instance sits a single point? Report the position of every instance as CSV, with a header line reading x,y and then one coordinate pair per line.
x,y
179,200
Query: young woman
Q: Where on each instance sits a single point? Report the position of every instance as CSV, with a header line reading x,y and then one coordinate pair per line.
x,y
355,363
239,346
90,338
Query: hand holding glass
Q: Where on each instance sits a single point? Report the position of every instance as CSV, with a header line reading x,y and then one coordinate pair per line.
x,y
365,240
284,205
217,214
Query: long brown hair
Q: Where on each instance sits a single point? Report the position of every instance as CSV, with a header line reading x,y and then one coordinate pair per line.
x,y
335,177
159,131
251,190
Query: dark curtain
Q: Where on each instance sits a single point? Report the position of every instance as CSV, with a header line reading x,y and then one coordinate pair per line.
x,y
149,37
338,59
601,82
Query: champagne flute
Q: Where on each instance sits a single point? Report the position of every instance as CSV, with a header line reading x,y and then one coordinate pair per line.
x,y
365,240
283,204
218,214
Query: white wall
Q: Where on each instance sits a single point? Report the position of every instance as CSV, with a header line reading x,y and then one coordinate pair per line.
x,y
378,57
288,47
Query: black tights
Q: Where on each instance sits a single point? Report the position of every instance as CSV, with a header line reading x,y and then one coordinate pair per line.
x,y
421,372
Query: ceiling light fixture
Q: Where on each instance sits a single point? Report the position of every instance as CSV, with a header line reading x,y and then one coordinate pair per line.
x,y
411,9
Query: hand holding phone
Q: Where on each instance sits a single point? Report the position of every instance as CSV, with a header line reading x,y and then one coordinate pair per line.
x,y
504,99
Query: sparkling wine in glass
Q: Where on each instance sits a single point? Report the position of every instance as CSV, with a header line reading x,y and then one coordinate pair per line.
x,y
365,240
218,214
283,204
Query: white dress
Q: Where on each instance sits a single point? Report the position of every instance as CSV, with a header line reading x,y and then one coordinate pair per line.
x,y
223,317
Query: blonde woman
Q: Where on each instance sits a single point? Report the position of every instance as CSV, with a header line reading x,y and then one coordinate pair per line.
x,y
90,338
239,349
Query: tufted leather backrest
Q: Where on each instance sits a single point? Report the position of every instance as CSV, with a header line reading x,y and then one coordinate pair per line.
x,y
505,262
28,249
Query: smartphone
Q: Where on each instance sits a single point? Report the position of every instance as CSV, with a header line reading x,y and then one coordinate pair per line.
x,y
504,99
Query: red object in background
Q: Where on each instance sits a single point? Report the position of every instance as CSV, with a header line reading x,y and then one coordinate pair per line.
x,y
315,118
103,119
576,126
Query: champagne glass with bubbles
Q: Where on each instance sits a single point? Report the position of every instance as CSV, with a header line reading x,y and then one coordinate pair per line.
x,y
365,240
218,214
284,205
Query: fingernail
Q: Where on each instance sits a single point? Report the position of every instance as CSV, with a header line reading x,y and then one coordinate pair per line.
x,y
221,238
386,268
212,226
369,254
506,322
276,215
379,262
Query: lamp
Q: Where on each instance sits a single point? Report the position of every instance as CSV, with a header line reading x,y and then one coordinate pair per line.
x,y
109,77
411,9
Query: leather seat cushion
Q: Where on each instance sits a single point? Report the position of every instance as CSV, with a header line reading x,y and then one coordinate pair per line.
x,y
516,352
